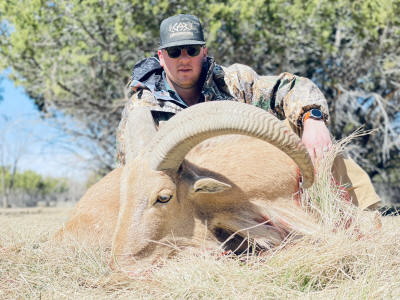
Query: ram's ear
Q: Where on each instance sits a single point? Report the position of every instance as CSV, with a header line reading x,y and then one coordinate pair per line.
x,y
210,185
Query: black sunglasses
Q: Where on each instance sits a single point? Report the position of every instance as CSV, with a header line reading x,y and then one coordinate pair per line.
x,y
175,52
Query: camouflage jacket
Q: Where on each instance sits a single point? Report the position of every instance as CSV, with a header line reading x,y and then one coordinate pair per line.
x,y
286,96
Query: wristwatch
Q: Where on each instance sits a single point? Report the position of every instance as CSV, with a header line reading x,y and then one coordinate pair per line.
x,y
314,113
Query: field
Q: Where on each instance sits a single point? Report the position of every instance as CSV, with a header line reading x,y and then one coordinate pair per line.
x,y
360,260
335,266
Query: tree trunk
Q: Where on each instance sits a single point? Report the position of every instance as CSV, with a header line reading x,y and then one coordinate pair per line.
x,y
5,201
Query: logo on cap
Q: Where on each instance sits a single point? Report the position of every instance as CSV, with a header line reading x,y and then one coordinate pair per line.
x,y
180,26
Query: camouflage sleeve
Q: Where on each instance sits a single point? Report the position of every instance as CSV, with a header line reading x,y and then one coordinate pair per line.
x,y
286,96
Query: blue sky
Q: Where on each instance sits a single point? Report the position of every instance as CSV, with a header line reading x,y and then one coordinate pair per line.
x,y
38,143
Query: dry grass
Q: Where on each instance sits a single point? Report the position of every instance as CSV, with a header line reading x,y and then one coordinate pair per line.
x,y
361,262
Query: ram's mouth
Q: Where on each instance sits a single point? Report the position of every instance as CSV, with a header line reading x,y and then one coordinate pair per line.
x,y
244,242
245,234
234,242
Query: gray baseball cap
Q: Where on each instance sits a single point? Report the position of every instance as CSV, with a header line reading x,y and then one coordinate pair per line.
x,y
181,30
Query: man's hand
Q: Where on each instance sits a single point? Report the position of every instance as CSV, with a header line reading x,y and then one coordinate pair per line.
x,y
316,138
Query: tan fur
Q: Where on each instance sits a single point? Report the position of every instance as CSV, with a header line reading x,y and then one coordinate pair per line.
x,y
226,184
94,217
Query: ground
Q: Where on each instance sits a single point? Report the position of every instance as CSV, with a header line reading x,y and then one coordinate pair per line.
x,y
334,265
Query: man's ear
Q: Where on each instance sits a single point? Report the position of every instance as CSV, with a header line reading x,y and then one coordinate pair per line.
x,y
161,57
205,51
210,185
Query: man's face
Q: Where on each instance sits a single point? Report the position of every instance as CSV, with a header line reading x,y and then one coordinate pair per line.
x,y
184,71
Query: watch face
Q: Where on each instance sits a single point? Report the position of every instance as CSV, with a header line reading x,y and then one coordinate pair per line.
x,y
316,113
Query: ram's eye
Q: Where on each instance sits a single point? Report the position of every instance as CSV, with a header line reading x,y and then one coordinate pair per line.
x,y
164,198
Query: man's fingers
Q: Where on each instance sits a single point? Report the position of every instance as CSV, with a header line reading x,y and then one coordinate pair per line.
x,y
313,154
318,152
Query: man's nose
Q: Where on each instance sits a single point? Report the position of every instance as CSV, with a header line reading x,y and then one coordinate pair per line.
x,y
184,54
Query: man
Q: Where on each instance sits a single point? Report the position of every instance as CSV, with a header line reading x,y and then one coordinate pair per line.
x,y
182,75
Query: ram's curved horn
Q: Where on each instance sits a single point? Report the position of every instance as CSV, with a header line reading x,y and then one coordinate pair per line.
x,y
197,123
